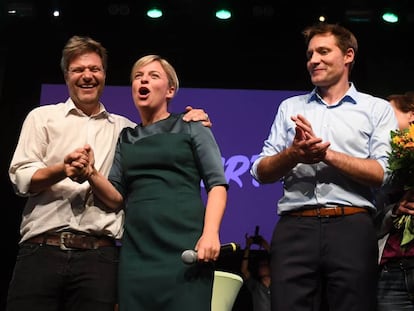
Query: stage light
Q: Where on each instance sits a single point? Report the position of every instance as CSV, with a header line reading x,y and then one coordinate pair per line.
x,y
359,16
21,9
223,13
322,18
390,17
154,12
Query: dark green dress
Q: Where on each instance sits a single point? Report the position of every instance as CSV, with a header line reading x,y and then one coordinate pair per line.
x,y
158,169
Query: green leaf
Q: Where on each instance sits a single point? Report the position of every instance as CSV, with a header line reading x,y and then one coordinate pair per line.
x,y
408,234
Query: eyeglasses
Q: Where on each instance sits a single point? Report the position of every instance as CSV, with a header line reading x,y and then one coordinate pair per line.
x,y
81,70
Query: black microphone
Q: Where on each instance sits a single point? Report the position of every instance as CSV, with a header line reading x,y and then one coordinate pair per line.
x,y
189,256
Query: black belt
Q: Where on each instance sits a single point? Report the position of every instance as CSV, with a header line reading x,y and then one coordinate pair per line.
x,y
329,211
71,241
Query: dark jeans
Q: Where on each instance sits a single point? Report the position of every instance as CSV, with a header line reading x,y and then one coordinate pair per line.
x,y
46,278
395,289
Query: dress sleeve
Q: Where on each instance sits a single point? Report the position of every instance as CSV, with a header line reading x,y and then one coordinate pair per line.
x,y
116,174
208,156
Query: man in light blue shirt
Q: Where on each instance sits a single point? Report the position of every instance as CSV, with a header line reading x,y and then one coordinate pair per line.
x,y
330,149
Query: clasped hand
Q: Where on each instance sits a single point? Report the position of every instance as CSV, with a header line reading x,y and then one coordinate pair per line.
x,y
79,164
307,147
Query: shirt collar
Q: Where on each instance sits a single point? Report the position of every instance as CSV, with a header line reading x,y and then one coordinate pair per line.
x,y
350,96
71,108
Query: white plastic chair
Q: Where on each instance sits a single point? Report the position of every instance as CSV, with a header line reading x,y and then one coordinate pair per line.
x,y
226,286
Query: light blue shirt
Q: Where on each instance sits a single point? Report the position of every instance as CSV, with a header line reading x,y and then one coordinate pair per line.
x,y
358,125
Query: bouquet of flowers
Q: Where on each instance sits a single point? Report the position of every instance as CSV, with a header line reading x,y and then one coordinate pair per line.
x,y
401,165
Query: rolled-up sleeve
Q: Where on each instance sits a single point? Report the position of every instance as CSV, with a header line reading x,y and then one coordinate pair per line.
x,y
26,158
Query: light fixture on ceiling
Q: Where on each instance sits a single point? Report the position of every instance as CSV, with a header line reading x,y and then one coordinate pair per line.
x,y
20,9
390,16
154,12
223,10
358,16
223,13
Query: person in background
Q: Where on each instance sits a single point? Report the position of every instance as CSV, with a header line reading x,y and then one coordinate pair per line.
x,y
68,255
330,149
155,176
396,275
257,283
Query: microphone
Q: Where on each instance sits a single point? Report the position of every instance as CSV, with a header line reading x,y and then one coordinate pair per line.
x,y
189,256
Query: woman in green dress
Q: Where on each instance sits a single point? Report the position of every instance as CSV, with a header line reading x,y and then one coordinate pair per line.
x,y
159,169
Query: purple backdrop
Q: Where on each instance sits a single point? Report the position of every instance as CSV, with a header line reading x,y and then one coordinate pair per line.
x,y
241,122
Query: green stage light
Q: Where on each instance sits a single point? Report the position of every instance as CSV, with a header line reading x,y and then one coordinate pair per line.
x,y
223,14
154,12
390,17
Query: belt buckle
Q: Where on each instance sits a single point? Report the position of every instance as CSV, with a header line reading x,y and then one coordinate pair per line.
x,y
63,236
319,214
337,210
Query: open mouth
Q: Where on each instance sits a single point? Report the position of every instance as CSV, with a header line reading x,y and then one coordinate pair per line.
x,y
143,91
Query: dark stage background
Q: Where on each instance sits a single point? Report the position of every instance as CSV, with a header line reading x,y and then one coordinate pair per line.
x,y
261,48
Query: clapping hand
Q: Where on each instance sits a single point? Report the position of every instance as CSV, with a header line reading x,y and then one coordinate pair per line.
x,y
309,148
